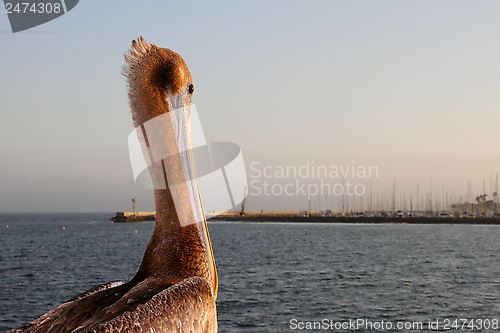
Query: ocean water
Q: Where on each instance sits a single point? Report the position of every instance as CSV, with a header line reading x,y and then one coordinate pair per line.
x,y
273,277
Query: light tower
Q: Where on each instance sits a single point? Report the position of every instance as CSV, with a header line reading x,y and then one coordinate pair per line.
x,y
133,204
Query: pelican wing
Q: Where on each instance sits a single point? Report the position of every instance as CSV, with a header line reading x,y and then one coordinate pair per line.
x,y
69,315
187,306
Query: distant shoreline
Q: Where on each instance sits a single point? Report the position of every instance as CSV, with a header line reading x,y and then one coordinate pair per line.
x,y
345,219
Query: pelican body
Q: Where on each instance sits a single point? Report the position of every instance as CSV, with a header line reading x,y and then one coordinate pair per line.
x,y
175,288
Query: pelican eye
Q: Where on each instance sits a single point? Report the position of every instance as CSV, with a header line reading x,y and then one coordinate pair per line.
x,y
191,88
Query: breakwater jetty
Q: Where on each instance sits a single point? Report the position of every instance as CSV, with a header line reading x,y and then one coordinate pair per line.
x,y
290,217
350,219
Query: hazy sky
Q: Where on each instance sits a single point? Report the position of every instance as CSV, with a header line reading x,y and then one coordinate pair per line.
x,y
409,87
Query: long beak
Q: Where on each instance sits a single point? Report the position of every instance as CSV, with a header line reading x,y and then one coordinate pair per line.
x,y
180,115
166,145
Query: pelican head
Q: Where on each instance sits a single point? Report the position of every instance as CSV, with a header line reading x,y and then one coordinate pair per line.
x,y
159,81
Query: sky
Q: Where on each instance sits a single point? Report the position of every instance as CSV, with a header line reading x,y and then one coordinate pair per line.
x,y
409,88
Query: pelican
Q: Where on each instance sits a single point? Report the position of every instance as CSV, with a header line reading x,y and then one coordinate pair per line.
x,y
175,288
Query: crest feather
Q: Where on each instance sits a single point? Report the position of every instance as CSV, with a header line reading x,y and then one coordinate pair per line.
x,y
134,55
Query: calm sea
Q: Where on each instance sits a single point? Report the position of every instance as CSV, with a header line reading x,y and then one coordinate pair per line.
x,y
273,277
